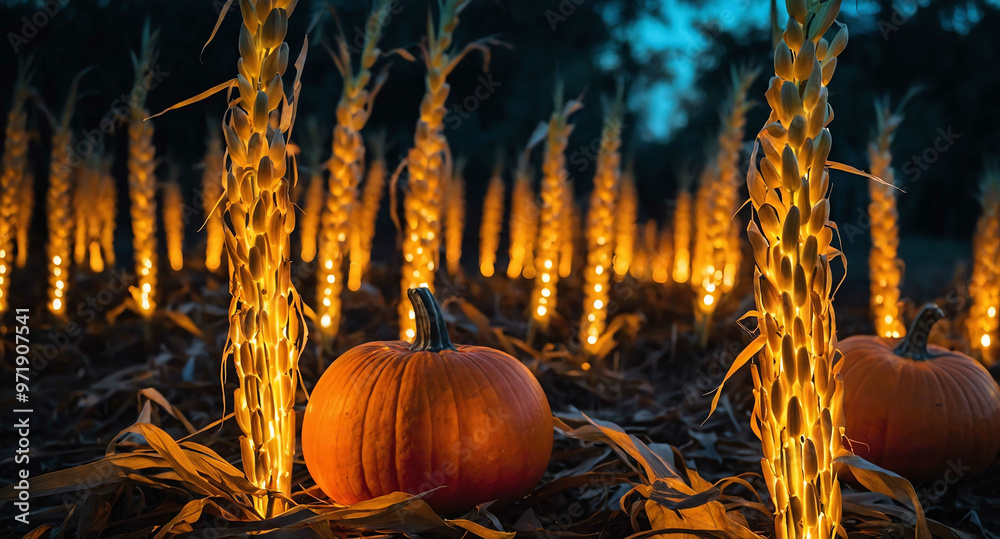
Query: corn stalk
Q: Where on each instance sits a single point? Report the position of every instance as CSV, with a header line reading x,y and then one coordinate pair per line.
x,y
363,225
626,211
266,330
798,411
492,221
346,167
142,182
454,220
173,223
15,162
58,208
601,230
885,269
984,313
426,163
523,221
212,178
717,241
553,216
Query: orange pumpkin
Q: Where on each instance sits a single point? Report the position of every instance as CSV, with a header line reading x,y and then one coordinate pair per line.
x,y
919,410
394,416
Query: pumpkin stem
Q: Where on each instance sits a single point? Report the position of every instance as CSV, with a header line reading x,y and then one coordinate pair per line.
x,y
432,333
914,344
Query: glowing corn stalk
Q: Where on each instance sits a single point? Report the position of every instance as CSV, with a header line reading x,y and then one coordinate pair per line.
x,y
211,190
644,251
173,224
107,204
682,233
523,222
661,247
26,203
454,221
553,217
601,231
312,209
885,269
717,240
266,330
569,234
345,168
798,413
984,314
363,223
734,257
58,209
492,221
142,184
626,210
15,154
92,212
315,196
425,163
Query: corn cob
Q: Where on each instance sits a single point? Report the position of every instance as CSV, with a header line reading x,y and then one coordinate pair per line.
x,y
426,164
142,183
492,221
554,211
363,225
984,313
601,230
15,156
885,269
345,168
267,331
173,223
454,220
523,221
626,209
798,411
212,177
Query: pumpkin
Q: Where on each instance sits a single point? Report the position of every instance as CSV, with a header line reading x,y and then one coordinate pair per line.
x,y
469,421
919,410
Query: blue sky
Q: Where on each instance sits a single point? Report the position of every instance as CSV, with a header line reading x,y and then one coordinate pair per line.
x,y
677,33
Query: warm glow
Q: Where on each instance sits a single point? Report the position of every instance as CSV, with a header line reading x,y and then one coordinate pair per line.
x,y
983,324
423,204
363,217
708,300
454,220
885,267
173,224
601,225
798,412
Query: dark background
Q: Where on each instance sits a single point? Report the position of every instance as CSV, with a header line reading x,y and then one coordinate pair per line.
x,y
889,51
